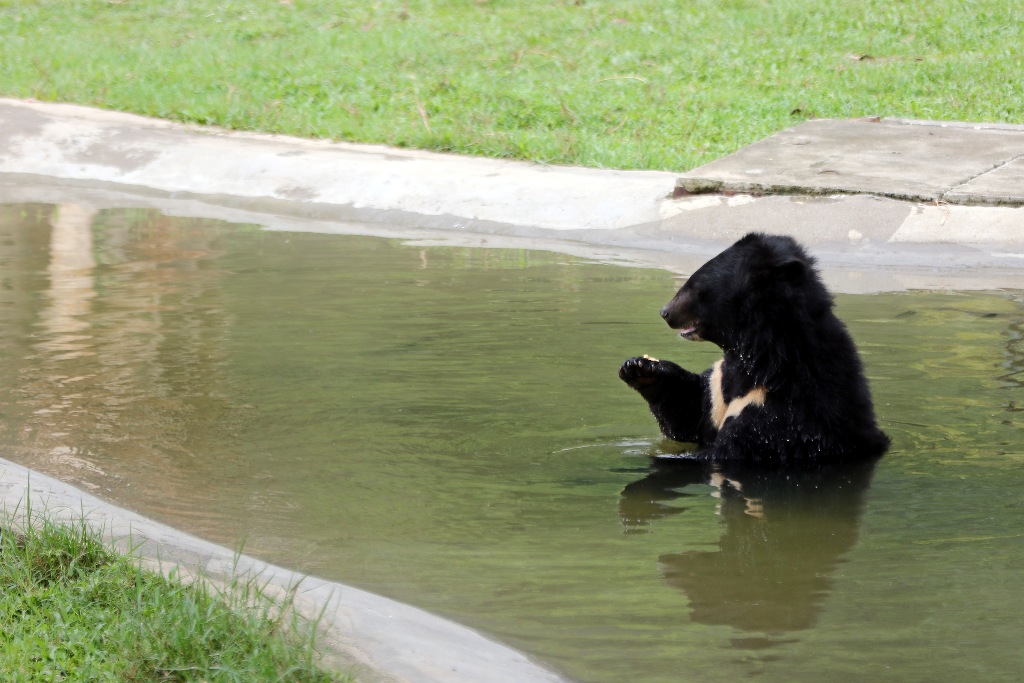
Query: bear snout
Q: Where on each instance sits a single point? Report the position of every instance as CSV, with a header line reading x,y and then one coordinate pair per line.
x,y
680,315
677,312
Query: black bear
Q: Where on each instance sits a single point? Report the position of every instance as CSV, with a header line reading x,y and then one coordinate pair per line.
x,y
790,385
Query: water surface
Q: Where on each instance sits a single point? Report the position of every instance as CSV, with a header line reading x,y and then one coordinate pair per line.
x,y
445,426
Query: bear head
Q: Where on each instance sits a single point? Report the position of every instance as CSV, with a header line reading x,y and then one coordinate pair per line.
x,y
759,283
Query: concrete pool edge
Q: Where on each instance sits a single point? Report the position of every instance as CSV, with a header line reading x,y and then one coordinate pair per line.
x,y
867,268
633,217
374,637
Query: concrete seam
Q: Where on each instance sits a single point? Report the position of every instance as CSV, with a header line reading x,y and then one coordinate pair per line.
x,y
705,185
950,197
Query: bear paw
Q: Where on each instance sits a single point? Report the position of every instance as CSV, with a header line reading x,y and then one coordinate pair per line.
x,y
643,371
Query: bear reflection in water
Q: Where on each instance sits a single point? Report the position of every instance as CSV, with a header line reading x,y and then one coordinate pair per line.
x,y
785,530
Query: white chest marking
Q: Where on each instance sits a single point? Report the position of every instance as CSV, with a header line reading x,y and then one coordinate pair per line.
x,y
722,411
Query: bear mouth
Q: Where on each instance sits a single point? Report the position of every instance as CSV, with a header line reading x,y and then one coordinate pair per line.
x,y
691,332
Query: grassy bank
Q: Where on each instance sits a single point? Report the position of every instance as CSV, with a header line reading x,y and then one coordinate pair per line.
x,y
72,610
663,84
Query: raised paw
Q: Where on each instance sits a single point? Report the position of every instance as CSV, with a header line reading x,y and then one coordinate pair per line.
x,y
642,371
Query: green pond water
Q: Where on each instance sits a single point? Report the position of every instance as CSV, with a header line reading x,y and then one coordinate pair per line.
x,y
445,426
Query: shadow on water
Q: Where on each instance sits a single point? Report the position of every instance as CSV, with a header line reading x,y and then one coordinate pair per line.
x,y
784,533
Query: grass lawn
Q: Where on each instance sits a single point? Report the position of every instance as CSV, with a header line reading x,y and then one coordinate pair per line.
x,y
656,84
72,610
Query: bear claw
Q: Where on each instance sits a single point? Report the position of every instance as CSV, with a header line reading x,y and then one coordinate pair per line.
x,y
640,371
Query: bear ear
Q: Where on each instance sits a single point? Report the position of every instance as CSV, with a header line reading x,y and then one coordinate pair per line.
x,y
792,270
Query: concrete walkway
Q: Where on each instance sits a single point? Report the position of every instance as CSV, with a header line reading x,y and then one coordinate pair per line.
x,y
884,205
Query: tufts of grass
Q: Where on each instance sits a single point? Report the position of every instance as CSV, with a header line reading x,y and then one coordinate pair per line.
x,y
73,610
656,84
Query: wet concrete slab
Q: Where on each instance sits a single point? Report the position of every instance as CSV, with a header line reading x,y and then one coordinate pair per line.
x,y
919,161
